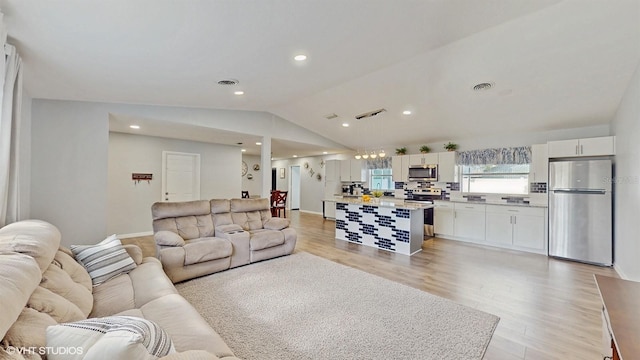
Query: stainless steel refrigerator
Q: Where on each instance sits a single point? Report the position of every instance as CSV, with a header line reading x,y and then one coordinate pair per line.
x,y
580,211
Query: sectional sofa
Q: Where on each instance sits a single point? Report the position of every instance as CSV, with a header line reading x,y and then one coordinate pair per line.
x,y
50,303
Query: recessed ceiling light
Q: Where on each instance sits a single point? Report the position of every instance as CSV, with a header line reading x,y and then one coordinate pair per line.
x,y
239,92
345,124
295,155
258,143
406,112
244,150
300,57
324,152
134,126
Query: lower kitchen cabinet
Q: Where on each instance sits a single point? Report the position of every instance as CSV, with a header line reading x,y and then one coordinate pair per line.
x,y
516,227
469,222
443,218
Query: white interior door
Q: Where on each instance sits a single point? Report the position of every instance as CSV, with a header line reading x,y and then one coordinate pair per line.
x,y
180,176
294,189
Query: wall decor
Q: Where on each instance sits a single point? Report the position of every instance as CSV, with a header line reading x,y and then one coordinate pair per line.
x,y
319,176
250,176
311,172
306,165
256,167
281,173
245,168
137,177
322,163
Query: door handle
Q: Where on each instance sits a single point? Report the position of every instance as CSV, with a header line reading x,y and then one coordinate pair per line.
x,y
515,220
166,199
577,150
166,193
581,150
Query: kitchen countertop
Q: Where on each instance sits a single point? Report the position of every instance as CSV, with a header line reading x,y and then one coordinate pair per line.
x,y
390,203
493,203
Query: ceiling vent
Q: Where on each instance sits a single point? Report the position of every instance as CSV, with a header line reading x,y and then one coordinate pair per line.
x,y
228,82
369,114
483,87
331,116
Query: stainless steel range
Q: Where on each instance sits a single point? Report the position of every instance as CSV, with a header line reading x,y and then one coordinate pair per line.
x,y
426,196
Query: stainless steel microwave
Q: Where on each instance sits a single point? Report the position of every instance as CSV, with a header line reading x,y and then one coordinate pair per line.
x,y
423,173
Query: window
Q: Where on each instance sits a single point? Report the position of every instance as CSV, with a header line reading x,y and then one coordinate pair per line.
x,y
496,179
380,179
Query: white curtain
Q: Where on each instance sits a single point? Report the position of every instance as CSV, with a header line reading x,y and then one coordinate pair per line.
x,y
11,103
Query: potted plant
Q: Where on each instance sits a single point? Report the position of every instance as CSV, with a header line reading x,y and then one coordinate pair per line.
x,y
450,146
401,151
424,149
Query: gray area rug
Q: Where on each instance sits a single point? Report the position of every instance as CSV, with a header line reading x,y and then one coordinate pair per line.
x,y
304,307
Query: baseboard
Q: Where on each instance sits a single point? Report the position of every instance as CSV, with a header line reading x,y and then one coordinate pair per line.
x,y
132,235
311,212
620,272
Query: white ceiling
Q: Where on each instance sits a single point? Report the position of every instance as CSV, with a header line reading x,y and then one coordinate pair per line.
x,y
554,64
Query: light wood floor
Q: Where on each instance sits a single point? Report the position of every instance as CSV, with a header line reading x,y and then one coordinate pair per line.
x,y
548,308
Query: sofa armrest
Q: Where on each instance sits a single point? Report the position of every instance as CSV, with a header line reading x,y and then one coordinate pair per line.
x,y
276,224
191,355
168,238
135,252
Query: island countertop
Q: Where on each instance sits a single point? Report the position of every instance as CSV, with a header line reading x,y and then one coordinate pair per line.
x,y
385,203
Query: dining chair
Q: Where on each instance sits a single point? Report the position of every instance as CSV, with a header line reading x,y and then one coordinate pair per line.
x,y
278,203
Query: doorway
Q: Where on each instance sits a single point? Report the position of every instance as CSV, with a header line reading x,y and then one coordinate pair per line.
x,y
294,188
180,176
273,179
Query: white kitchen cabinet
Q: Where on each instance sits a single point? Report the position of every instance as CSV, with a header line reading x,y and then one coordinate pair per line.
x,y
539,169
469,222
400,168
329,209
597,146
516,227
443,218
423,159
447,166
332,170
352,170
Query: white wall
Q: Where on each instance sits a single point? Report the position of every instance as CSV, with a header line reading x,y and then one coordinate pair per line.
x,y
254,186
311,190
129,204
626,127
70,141
24,165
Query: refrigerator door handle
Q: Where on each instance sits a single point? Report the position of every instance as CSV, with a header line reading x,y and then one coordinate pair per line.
x,y
579,191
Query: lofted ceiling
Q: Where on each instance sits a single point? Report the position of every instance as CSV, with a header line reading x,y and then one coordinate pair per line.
x,y
553,64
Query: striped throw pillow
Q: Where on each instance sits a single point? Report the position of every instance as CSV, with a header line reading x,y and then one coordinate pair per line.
x,y
104,260
112,337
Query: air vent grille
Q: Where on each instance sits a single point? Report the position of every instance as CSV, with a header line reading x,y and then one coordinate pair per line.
x,y
369,114
331,116
228,82
483,87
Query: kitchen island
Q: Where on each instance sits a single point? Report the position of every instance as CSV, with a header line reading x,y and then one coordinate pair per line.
x,y
388,225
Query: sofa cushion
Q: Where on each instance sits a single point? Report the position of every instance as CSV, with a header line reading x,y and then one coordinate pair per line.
x,y
164,210
205,249
168,238
54,305
105,260
76,271
262,239
150,282
114,337
247,205
29,330
113,296
59,282
248,220
35,238
276,224
19,276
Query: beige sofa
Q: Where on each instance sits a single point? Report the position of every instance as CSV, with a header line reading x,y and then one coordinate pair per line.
x,y
202,237
42,285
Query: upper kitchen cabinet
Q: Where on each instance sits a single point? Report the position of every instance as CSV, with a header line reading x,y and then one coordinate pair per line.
x,y
582,147
400,168
423,159
539,169
352,170
332,170
447,166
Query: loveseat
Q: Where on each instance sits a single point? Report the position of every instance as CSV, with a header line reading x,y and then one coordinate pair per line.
x,y
43,286
197,238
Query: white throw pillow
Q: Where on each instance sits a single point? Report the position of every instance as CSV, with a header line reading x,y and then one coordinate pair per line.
x,y
105,260
113,337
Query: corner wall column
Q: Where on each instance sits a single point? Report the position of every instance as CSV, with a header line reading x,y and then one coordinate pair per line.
x,y
265,165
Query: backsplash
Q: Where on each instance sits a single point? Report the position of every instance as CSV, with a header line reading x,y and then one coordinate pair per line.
x,y
405,190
